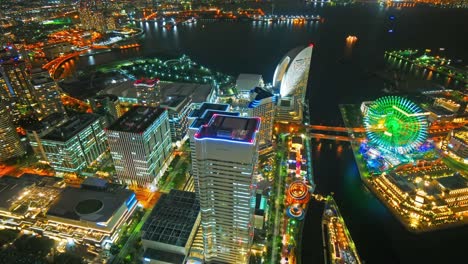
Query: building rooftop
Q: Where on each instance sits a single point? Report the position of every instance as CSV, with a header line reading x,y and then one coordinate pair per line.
x,y
146,82
111,97
175,103
11,187
89,205
461,134
172,219
198,92
137,119
208,106
70,128
48,121
206,117
38,80
261,93
247,82
453,182
438,110
232,128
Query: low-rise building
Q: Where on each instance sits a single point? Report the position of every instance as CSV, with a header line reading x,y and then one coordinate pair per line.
x,y
55,50
458,143
91,215
147,91
168,232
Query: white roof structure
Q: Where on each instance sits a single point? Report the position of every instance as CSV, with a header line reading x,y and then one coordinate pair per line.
x,y
292,70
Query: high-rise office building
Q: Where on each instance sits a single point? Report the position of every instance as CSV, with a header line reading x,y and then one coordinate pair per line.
x,y
47,93
27,95
10,144
178,108
258,102
290,80
140,145
226,153
96,15
147,91
17,89
38,129
75,144
107,106
197,118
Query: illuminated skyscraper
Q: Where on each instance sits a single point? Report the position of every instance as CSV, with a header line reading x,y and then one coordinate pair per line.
x,y
197,118
47,93
17,89
10,144
140,144
226,157
258,102
178,108
27,96
95,15
290,80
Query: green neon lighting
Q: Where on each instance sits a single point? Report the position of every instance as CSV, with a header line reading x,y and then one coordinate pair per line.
x,y
395,123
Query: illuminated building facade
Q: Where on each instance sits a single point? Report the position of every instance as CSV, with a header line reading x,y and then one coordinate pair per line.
x,y
17,89
47,94
290,80
258,102
226,157
91,215
147,91
458,144
178,108
10,144
197,118
27,95
140,145
107,106
74,145
35,131
94,15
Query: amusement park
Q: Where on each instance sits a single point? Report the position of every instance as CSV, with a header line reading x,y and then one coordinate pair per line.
x,y
401,160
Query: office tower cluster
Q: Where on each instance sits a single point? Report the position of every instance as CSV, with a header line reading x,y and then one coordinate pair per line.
x,y
139,125
96,15
27,93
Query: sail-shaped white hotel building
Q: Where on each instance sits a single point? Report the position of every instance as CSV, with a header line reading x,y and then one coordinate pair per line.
x,y
290,81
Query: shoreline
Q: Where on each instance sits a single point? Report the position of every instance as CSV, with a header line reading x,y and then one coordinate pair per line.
x,y
395,213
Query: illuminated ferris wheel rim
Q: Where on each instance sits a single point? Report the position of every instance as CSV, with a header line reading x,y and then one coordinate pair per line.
x,y
395,123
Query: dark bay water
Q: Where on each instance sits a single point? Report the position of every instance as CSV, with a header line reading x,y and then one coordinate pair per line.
x,y
338,75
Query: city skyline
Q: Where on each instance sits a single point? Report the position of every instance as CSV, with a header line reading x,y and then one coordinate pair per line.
x,y
233,132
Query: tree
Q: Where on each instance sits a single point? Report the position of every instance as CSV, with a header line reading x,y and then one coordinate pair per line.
x,y
114,250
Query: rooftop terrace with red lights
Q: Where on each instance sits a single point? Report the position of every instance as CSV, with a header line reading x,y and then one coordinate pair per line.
x,y
230,128
146,82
